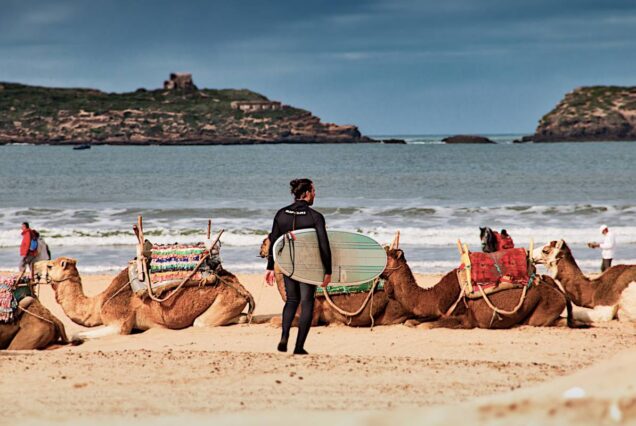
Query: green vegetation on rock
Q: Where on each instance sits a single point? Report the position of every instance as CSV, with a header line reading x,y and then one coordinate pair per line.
x,y
34,114
597,113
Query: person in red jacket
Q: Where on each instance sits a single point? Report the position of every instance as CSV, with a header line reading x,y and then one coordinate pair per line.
x,y
26,254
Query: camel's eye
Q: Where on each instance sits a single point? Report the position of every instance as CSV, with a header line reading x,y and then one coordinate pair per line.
x,y
546,250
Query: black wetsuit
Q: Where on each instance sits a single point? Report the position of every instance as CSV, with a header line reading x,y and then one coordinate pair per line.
x,y
293,217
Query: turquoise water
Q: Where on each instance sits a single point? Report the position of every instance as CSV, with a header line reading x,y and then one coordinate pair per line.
x,y
85,202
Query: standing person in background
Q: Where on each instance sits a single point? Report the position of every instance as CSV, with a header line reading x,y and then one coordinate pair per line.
x,y
26,253
608,247
299,215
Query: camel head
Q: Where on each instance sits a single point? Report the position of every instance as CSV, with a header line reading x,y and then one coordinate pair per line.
x,y
265,248
551,254
395,260
61,269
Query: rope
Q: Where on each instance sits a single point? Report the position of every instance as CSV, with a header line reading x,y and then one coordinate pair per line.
x,y
501,311
115,294
364,304
462,292
35,315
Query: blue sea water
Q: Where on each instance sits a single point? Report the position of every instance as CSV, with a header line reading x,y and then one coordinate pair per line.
x,y
85,202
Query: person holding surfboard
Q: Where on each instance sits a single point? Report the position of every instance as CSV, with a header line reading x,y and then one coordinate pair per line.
x,y
299,215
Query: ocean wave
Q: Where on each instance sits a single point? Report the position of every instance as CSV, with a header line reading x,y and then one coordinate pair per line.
x,y
433,236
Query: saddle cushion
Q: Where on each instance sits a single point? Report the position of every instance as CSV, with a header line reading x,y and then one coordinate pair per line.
x,y
489,269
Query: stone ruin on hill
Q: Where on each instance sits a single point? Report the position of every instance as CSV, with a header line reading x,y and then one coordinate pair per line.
x,y
179,81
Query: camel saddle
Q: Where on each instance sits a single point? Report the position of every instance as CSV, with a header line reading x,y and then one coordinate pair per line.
x,y
12,289
493,272
168,265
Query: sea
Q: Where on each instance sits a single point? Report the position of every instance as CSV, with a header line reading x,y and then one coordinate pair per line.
x,y
84,203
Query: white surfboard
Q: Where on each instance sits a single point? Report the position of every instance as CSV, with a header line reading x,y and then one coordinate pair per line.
x,y
355,258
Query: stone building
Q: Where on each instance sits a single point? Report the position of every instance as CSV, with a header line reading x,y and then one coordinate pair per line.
x,y
179,80
255,106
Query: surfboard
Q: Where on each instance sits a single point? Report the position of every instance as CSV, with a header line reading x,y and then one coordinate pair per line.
x,y
355,258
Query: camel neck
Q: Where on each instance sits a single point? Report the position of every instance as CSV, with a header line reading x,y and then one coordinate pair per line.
x,y
421,302
80,309
578,287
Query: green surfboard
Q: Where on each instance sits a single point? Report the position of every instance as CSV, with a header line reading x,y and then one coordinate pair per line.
x,y
355,258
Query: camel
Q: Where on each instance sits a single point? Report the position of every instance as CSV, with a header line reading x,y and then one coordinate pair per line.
x,y
35,328
611,294
380,310
121,311
542,306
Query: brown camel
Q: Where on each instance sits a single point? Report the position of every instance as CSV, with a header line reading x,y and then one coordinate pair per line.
x,y
611,293
35,328
542,306
121,311
380,310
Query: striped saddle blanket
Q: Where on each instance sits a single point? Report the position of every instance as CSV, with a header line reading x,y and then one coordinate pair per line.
x,y
348,289
8,302
170,264
174,262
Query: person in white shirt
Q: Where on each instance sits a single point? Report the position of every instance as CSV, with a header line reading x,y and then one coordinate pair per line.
x,y
608,247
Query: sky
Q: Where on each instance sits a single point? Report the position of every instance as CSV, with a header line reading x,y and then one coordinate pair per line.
x,y
387,66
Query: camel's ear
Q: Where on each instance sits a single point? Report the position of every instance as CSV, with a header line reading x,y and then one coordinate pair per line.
x,y
68,262
399,254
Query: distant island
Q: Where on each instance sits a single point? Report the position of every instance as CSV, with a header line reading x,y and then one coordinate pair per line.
x,y
597,113
178,114
467,139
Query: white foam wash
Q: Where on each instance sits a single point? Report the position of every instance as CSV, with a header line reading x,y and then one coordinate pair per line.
x,y
85,203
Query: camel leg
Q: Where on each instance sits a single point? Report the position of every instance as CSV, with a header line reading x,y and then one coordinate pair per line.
x,y
547,311
458,322
32,338
108,330
221,313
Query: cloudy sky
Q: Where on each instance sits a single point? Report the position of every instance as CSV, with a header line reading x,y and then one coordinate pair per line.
x,y
389,66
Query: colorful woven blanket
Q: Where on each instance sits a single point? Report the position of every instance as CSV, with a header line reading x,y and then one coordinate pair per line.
x,y
174,262
490,269
8,304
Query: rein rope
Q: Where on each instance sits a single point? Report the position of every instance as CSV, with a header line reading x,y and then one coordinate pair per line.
x,y
360,309
35,315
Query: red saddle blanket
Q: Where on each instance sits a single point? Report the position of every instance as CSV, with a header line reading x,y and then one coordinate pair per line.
x,y
488,269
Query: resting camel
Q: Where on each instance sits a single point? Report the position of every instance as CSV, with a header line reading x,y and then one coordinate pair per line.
x,y
381,310
35,328
121,311
542,306
613,293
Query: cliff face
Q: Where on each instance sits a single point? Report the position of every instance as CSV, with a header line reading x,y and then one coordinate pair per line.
x,y
32,114
599,113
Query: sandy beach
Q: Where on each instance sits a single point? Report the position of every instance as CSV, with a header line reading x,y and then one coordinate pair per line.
x,y
353,376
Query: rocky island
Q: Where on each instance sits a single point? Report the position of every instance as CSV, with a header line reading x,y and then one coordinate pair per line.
x,y
598,113
467,139
178,114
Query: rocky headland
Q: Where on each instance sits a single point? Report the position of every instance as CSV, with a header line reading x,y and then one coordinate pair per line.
x,y
178,114
598,113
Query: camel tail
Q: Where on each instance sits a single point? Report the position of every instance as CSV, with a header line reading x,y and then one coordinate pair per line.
x,y
252,305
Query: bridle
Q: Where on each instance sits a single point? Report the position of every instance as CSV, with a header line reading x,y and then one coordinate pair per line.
x,y
552,261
